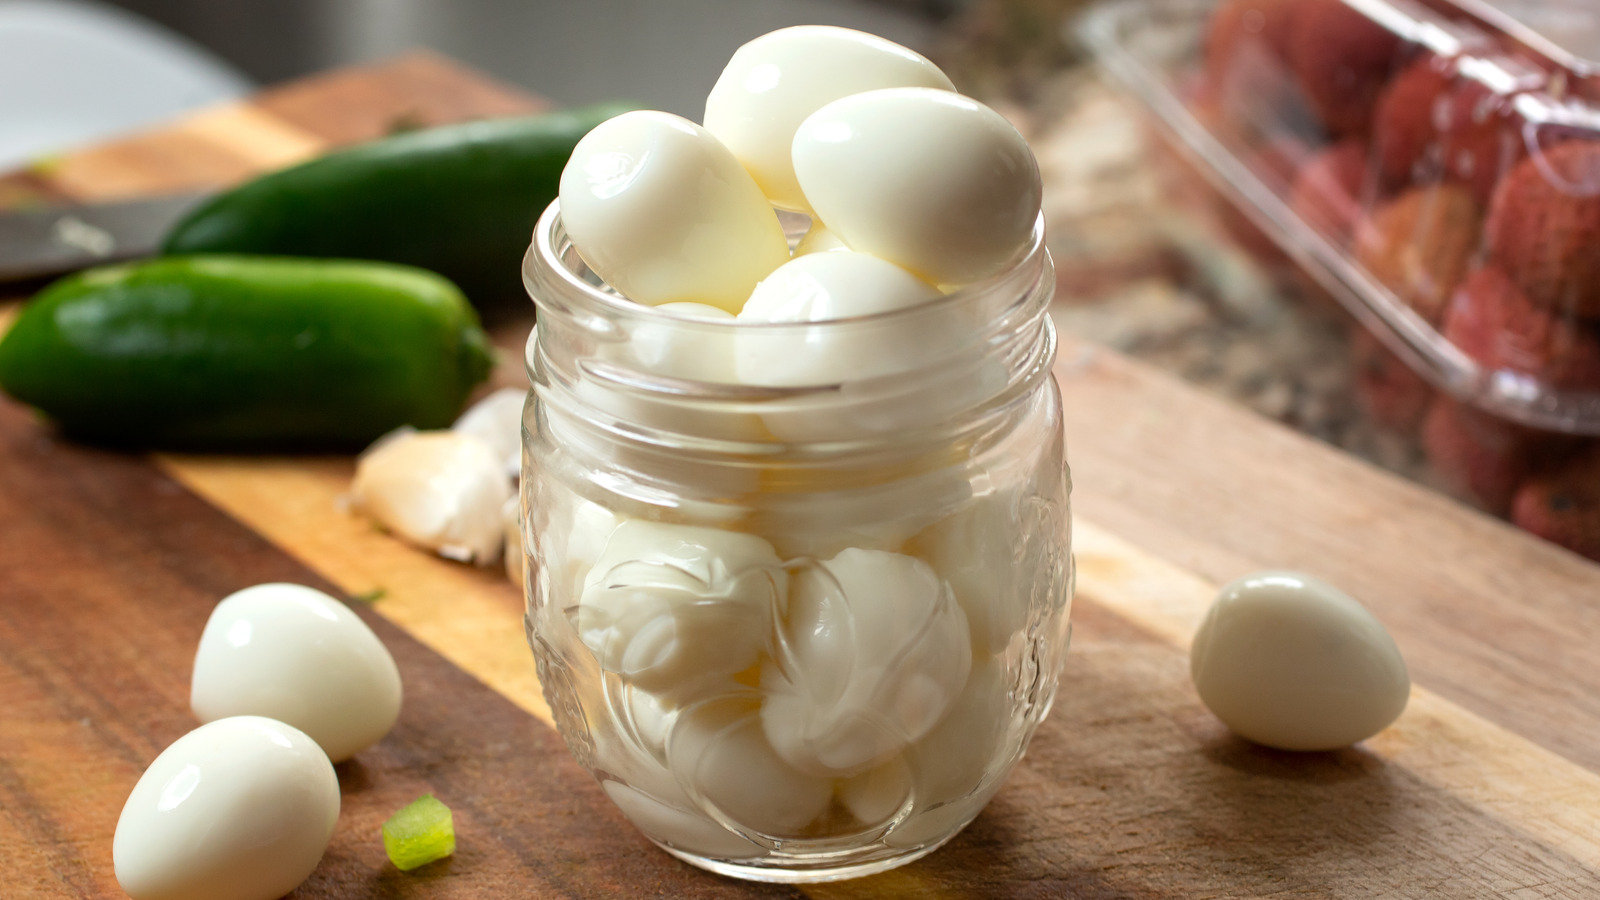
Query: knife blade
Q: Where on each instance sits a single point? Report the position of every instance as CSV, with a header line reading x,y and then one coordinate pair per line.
x,y
52,240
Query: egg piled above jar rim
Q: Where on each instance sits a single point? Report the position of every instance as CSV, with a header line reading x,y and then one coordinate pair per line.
x,y
912,189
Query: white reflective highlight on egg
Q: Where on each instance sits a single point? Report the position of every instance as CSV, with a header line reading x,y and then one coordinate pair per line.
x,y
664,213
1292,662
667,606
871,655
295,654
238,809
774,82
929,180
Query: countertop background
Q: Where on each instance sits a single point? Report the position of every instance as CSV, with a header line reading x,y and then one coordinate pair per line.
x,y
663,54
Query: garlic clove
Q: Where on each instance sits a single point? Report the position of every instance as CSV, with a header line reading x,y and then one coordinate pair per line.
x,y
497,421
442,490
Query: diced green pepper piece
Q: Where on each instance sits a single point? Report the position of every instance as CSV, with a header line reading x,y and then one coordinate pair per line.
x,y
420,833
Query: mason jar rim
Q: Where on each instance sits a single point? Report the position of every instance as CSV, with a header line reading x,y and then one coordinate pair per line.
x,y
543,254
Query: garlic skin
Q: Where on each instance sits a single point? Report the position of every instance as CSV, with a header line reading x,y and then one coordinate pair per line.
x,y
926,179
662,212
238,809
1292,662
668,607
871,655
497,421
774,82
442,490
718,752
294,654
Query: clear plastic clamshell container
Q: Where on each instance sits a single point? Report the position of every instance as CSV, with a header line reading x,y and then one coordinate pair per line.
x,y
1434,164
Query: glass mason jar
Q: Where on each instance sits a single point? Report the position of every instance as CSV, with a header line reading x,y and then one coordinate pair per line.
x,y
800,624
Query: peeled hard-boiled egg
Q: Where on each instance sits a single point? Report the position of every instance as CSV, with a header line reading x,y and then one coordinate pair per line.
x,y
442,490
664,213
670,606
718,752
1292,662
947,765
691,343
678,349
977,551
823,287
774,82
295,654
580,540
677,827
818,239
238,809
929,180
951,760
872,653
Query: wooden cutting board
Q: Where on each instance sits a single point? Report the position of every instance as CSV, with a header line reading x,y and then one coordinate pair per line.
x,y
1486,787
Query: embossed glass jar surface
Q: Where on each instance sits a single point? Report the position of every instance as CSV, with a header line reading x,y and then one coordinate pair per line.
x,y
798,633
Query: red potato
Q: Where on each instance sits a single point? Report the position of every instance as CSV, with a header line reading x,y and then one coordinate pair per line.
x,y
1419,244
1341,60
1441,119
1387,389
1253,93
1403,126
1274,163
1240,24
1563,505
1483,458
1493,322
1326,192
1543,228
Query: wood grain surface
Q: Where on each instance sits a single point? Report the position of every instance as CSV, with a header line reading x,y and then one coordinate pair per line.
x,y
1486,787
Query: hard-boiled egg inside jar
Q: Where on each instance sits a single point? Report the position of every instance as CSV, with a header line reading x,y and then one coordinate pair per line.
x,y
757,447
